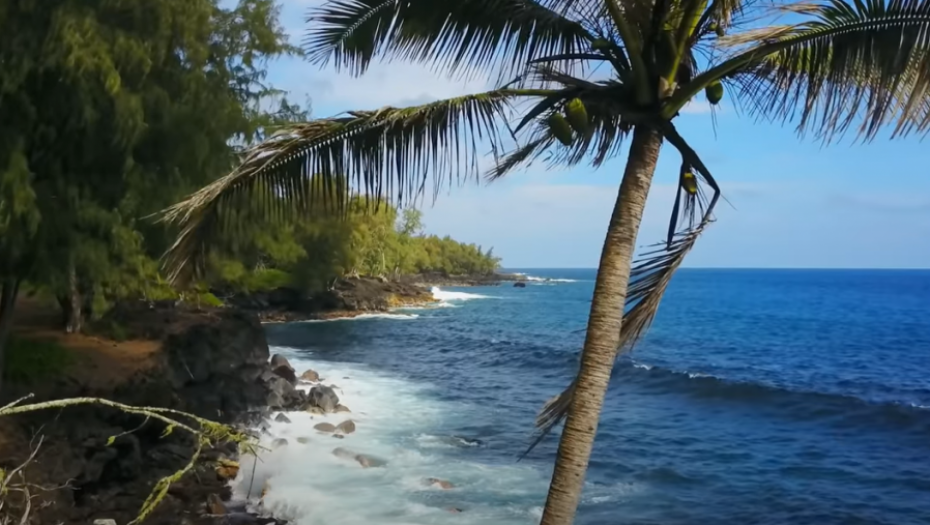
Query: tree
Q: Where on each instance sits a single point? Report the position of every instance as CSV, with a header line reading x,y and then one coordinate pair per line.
x,y
840,65
112,110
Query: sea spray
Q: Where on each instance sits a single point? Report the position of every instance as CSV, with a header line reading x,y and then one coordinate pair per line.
x,y
400,422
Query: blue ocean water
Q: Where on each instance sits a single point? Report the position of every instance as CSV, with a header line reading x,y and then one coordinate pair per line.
x,y
758,397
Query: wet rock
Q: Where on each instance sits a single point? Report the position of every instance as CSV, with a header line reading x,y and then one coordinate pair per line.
x,y
303,440
339,436
310,375
104,522
227,469
346,427
367,461
519,284
215,505
325,427
278,443
323,397
441,483
364,460
281,418
316,410
344,453
342,408
282,368
454,510
280,391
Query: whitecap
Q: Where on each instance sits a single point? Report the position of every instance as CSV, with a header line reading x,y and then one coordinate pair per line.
x,y
401,422
363,317
444,295
534,279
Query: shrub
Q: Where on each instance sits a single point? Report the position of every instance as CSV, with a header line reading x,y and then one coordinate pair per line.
x,y
28,361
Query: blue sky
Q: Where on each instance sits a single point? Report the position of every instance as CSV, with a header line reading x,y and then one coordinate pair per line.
x,y
794,203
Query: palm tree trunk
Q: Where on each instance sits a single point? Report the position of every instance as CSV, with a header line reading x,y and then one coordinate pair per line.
x,y
604,323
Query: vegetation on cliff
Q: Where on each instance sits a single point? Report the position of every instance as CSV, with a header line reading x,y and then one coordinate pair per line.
x,y
114,110
309,254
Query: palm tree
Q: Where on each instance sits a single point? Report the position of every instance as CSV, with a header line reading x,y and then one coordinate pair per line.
x,y
581,77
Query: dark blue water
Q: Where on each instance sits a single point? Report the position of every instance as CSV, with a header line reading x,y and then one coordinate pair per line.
x,y
759,396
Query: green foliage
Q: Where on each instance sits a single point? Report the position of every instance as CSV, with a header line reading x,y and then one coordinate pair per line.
x,y
113,110
315,247
29,361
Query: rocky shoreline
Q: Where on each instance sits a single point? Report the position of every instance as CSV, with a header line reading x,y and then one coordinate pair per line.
x,y
351,297
214,364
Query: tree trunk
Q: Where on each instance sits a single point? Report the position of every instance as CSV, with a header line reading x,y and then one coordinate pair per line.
x,y
7,306
603,335
72,303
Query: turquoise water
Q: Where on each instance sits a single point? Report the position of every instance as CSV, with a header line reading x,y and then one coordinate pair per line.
x,y
759,396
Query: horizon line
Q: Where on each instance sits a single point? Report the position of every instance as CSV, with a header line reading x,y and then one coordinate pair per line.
x,y
794,268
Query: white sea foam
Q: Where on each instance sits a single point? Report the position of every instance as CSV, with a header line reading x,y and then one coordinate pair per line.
x,y
399,422
444,295
534,279
363,317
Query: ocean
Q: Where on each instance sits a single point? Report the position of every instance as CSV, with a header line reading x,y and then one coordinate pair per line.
x,y
758,397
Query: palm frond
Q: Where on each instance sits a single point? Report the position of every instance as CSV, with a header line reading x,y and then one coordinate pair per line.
x,y
387,154
466,35
862,63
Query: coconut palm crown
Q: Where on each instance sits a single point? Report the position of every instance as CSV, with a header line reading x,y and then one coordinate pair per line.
x,y
834,66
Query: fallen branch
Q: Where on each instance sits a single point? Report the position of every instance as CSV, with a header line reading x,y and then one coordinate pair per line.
x,y
205,431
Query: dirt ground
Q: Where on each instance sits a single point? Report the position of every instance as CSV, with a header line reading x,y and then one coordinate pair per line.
x,y
99,364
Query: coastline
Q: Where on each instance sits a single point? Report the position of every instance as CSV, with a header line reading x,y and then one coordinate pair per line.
x,y
357,296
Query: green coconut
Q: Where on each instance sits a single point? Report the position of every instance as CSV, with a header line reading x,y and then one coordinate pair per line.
x,y
577,115
714,92
560,128
689,182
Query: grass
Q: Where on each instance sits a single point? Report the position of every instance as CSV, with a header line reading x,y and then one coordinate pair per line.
x,y
29,361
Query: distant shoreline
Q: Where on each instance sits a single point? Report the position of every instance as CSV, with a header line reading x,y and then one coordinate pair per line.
x,y
354,296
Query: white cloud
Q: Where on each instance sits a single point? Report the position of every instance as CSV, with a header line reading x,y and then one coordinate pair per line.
x,y
385,83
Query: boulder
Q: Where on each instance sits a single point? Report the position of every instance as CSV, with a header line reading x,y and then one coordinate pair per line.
x,y
441,483
346,427
342,408
367,461
519,284
104,522
282,368
215,505
280,391
325,427
343,453
303,440
364,460
454,510
281,418
278,443
310,375
324,397
227,469
339,436
316,410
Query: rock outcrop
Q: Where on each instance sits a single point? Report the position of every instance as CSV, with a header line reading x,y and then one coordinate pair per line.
x,y
323,397
282,367
211,363
310,376
346,427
